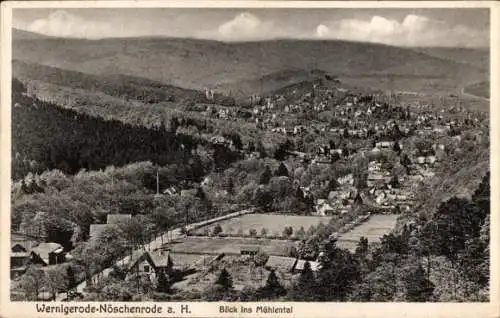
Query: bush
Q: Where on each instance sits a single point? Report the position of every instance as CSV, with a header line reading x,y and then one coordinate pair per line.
x,y
287,231
263,232
291,251
217,229
252,232
260,258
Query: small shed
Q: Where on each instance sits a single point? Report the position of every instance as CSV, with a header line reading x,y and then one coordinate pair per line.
x,y
48,254
249,249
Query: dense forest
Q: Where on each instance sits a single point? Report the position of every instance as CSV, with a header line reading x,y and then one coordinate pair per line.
x,y
125,87
45,136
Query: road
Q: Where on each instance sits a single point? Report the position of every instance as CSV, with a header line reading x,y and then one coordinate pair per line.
x,y
155,244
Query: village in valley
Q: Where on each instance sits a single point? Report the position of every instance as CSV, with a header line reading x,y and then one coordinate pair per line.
x,y
319,190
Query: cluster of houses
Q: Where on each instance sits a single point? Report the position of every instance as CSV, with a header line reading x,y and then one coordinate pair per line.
x,y
27,250
384,190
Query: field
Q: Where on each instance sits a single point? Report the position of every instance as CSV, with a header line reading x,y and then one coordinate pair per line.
x,y
214,245
273,223
373,229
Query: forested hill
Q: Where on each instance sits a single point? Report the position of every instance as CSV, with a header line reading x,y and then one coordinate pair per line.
x,y
46,136
122,86
195,64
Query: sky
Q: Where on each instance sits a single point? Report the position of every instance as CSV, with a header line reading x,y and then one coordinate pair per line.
x,y
453,27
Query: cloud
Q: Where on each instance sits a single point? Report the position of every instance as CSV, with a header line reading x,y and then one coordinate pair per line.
x,y
414,30
63,24
245,26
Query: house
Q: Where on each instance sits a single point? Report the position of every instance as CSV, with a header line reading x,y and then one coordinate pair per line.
x,y
339,195
19,259
48,254
376,179
323,208
282,263
118,218
384,144
151,263
430,159
347,179
299,266
171,191
421,160
249,249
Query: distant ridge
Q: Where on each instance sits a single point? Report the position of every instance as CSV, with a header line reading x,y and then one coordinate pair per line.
x,y
18,34
229,66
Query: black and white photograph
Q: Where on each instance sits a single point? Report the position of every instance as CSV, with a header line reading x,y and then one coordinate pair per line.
x,y
249,154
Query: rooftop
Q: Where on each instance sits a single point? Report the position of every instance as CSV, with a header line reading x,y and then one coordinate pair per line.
x,y
285,263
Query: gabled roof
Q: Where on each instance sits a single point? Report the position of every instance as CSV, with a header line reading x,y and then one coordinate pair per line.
x,y
157,259
161,258
285,263
118,218
17,247
44,249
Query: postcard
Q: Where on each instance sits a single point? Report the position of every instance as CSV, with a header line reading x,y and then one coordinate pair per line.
x,y
250,159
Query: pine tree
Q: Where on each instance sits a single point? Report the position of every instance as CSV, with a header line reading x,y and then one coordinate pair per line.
x,y
339,272
163,285
224,279
273,288
418,287
282,171
230,186
305,288
217,229
394,182
266,176
251,146
260,149
299,194
71,278
362,246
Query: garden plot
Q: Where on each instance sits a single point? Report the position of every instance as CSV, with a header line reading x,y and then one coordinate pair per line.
x,y
215,245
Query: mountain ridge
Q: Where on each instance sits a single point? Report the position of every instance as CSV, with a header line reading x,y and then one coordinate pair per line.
x,y
196,64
